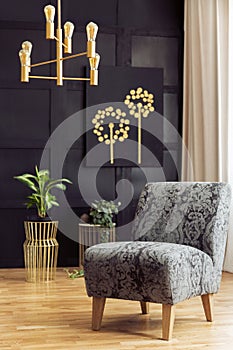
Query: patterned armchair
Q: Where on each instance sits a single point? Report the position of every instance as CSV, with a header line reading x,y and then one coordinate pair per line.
x,y
180,232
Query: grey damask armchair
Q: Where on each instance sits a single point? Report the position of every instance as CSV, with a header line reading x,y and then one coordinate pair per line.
x,y
180,232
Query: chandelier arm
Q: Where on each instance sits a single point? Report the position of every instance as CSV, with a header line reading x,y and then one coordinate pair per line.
x,y
73,56
62,59
55,38
54,78
64,45
70,78
42,63
41,77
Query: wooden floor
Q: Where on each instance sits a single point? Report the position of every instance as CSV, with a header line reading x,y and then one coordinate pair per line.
x,y
57,316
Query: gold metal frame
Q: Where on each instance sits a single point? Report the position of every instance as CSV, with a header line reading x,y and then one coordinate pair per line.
x,y
94,58
40,250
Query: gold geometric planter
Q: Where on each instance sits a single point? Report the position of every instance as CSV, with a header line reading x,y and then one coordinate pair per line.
x,y
40,250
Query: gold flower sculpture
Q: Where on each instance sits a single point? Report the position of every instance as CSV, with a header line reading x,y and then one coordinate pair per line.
x,y
111,132
140,103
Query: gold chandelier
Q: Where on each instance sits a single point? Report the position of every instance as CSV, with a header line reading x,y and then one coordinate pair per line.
x,y
94,58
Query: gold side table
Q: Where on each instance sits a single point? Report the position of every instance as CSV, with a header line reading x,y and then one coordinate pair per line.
x,y
89,235
40,250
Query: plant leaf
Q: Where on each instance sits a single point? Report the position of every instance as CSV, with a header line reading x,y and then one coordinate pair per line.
x,y
60,186
27,182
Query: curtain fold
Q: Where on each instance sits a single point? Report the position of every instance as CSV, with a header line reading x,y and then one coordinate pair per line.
x,y
228,264
207,103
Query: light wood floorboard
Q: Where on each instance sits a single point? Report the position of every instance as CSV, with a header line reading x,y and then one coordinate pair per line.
x,y
57,316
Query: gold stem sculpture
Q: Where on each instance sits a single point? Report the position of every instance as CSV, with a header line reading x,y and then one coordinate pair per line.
x,y
139,110
94,58
139,135
111,134
111,127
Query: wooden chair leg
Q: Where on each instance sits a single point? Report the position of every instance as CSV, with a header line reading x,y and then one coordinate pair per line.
x,y
207,302
168,317
97,312
144,307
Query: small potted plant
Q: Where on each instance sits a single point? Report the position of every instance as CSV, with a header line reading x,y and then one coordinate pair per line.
x,y
99,226
101,214
41,246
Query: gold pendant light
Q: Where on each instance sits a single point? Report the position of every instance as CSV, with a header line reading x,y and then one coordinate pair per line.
x,y
94,58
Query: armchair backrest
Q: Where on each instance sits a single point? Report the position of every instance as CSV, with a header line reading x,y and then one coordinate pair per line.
x,y
189,213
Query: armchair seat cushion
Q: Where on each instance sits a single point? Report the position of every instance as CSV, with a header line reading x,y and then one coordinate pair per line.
x,y
157,272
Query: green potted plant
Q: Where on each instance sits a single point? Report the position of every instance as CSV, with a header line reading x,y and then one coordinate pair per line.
x,y
41,246
102,212
41,185
98,226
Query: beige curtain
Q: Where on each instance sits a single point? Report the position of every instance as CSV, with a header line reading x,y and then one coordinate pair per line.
x,y
207,107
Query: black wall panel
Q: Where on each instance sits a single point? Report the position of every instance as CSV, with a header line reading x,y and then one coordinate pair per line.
x,y
28,112
12,237
171,113
65,102
15,162
151,14
137,33
102,12
23,10
157,52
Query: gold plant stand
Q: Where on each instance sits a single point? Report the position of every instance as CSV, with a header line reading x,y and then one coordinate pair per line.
x,y
40,250
89,235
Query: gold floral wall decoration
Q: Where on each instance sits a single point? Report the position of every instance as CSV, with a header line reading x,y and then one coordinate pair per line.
x,y
140,104
116,130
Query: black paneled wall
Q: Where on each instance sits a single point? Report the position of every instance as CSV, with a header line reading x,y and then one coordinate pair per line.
x,y
142,33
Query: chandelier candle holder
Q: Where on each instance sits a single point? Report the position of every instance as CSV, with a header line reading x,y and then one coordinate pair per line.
x,y
112,132
139,110
94,58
